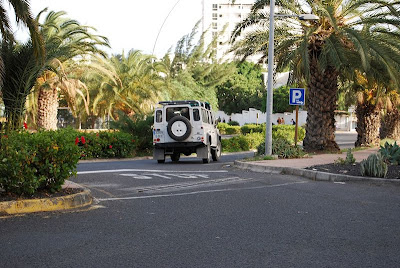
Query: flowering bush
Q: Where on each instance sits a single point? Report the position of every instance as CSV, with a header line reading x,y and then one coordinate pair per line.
x,y
104,144
37,161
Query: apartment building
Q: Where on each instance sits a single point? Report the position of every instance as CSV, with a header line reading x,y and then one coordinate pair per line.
x,y
218,14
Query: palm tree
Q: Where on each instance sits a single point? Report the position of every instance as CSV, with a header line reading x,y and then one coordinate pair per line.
x,y
23,15
21,69
140,83
343,39
66,42
390,123
370,96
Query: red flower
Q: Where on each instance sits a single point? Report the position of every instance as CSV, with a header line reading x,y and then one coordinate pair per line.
x,y
110,146
97,134
25,125
76,141
133,140
83,140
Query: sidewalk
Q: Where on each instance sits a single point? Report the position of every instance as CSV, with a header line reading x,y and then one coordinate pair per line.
x,y
319,159
297,167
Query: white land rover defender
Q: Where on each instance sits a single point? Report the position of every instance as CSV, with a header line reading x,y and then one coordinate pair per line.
x,y
185,127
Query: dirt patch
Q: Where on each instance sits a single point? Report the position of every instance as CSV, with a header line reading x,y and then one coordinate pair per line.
x,y
354,170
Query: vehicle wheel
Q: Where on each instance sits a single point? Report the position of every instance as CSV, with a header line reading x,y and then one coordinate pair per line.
x,y
175,157
161,161
208,159
179,128
216,153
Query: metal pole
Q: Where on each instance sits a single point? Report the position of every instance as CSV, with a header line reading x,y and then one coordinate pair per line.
x,y
268,127
296,127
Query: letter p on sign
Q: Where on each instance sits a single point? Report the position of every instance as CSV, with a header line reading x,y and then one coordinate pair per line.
x,y
296,96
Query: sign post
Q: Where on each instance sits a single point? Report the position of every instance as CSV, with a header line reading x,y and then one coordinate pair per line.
x,y
296,97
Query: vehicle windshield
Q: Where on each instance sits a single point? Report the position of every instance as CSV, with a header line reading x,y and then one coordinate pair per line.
x,y
176,111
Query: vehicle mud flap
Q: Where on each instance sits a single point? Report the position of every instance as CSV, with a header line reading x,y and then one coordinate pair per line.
x,y
206,154
202,152
158,154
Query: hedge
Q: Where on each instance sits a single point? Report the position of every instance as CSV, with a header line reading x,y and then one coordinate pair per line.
x,y
40,161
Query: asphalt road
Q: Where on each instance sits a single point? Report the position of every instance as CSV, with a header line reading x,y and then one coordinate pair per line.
x,y
190,214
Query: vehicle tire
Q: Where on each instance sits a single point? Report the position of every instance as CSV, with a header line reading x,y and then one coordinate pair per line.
x,y
175,157
216,152
179,128
208,159
161,161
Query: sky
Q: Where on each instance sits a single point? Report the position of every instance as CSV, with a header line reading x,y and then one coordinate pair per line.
x,y
129,24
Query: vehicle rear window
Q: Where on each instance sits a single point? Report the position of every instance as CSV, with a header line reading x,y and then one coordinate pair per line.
x,y
196,115
205,116
175,111
158,116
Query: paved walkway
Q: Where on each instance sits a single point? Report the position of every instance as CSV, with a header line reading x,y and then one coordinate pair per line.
x,y
297,167
313,160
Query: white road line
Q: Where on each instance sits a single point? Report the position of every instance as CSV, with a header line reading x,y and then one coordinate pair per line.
x,y
149,170
197,192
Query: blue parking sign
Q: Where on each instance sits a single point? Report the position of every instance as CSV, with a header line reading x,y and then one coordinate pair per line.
x,y
296,96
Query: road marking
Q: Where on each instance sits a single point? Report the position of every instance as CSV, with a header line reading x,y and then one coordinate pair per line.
x,y
198,192
138,177
149,170
149,176
181,186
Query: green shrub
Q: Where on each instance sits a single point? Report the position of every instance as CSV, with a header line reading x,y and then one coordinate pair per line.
x,y
226,129
252,128
374,166
105,144
40,161
282,148
287,132
391,153
235,144
140,129
232,130
233,123
222,127
242,142
349,159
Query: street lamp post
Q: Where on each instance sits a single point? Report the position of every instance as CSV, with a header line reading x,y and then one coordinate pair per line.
x,y
269,103
268,127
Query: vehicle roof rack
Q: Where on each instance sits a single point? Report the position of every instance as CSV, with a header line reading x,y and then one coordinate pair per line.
x,y
193,103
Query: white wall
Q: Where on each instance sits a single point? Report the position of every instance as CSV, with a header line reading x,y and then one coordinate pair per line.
x,y
253,116
256,116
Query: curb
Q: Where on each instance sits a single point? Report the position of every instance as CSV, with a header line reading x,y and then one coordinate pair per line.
x,y
46,204
314,175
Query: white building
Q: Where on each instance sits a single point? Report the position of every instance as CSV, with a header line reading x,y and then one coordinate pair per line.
x,y
218,14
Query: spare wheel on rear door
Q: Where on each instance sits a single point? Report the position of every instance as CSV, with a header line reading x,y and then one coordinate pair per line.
x,y
179,128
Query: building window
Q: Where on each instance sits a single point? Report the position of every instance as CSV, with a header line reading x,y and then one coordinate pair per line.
x,y
214,6
214,34
214,25
214,16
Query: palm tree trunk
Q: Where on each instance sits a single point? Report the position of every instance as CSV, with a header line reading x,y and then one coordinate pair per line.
x,y
321,105
47,109
368,123
390,127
